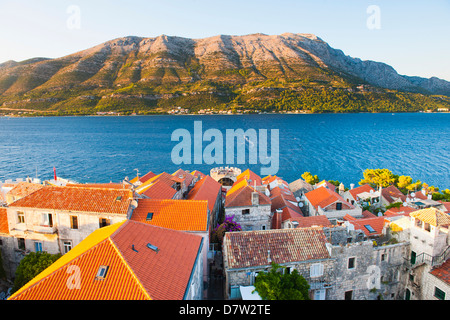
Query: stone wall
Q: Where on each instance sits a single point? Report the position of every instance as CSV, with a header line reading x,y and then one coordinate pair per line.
x,y
259,218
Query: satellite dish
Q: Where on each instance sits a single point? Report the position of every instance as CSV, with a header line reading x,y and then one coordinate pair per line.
x,y
405,204
413,195
300,204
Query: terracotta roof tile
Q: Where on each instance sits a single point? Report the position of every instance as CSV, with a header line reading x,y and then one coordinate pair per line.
x,y
358,190
85,199
185,215
324,197
243,198
391,194
245,249
321,221
370,226
23,189
132,274
160,190
432,216
206,189
442,272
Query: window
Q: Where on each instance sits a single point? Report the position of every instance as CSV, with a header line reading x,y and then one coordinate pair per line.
x,y
21,243
102,272
246,211
263,227
47,220
339,206
20,217
316,270
383,257
103,222
319,294
418,223
38,246
348,295
67,246
149,216
73,222
351,263
369,228
438,293
427,227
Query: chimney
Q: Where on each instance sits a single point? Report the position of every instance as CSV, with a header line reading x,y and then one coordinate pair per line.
x,y
268,257
352,185
277,216
255,198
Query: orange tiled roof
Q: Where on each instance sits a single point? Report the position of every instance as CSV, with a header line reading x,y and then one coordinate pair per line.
x,y
206,189
164,177
110,185
311,221
181,175
3,221
85,199
391,194
160,190
442,272
364,188
376,223
133,274
23,189
405,211
432,216
323,197
246,249
243,197
185,215
250,176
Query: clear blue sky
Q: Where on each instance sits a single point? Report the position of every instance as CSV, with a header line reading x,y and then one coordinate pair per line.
x,y
414,36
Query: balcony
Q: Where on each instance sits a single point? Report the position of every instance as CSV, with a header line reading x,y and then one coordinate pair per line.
x,y
44,229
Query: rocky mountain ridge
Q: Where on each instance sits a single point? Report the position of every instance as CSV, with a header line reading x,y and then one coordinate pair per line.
x,y
220,66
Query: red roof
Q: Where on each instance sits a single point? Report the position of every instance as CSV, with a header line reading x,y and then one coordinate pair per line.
x,y
85,199
184,215
250,176
244,249
160,190
206,189
391,193
324,197
181,175
243,198
311,221
403,211
364,188
442,272
135,271
370,226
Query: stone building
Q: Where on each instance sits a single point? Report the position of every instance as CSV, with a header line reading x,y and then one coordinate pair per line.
x,y
429,250
55,219
246,253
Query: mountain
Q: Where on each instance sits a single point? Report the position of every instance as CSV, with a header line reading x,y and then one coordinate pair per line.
x,y
257,71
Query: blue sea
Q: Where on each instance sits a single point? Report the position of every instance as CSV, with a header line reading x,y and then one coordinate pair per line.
x,y
332,146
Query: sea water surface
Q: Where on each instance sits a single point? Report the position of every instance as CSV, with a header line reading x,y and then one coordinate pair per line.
x,y
333,146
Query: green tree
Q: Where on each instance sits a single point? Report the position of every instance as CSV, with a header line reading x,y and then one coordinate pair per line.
x,y
309,178
377,177
276,285
31,265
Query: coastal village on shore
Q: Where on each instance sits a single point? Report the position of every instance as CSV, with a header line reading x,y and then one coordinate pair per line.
x,y
155,237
